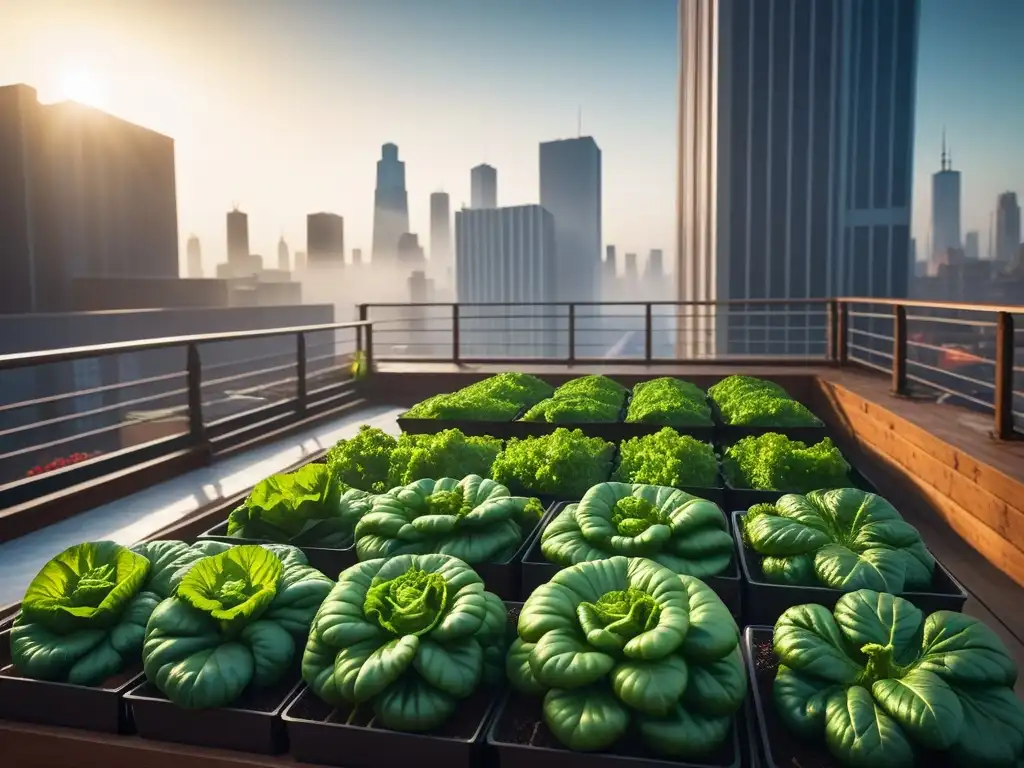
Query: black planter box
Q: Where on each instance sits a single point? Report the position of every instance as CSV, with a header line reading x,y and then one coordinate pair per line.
x,y
505,579
522,740
733,432
764,602
612,431
329,562
99,708
745,498
537,571
469,427
253,724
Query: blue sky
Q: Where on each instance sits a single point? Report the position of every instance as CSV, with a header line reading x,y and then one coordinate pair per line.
x,y
282,106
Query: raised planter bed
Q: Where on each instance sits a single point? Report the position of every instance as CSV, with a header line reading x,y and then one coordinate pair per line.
x,y
537,571
505,579
612,431
733,432
330,562
253,724
522,740
764,602
745,498
99,708
469,427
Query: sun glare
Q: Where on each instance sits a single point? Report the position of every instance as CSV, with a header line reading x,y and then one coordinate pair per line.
x,y
84,87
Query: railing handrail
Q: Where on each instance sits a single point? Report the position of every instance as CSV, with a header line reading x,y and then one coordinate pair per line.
x,y
955,306
638,303
42,357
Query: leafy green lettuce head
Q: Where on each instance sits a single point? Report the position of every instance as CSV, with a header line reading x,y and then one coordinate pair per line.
x,y
362,461
773,462
473,519
410,636
844,539
309,507
667,458
565,463
233,623
573,409
520,388
448,453
667,400
596,387
881,683
625,640
84,615
673,528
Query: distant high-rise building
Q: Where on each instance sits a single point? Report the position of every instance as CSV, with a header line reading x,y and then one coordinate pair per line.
x,y
972,245
570,189
506,255
655,265
631,273
795,160
284,262
440,233
325,240
390,206
357,257
609,274
300,260
194,257
238,239
1007,228
410,252
945,206
483,184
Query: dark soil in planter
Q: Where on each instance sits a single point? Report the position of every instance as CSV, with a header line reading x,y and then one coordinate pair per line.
x,y
764,602
522,740
328,561
252,724
100,708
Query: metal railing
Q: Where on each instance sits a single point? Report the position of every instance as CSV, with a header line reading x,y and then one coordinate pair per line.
x,y
70,415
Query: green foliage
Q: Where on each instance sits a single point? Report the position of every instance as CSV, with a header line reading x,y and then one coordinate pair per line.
x,y
752,402
677,530
667,458
308,507
573,409
625,642
410,636
773,462
596,388
232,624
84,614
669,401
498,398
883,686
362,461
473,519
523,389
565,463
844,539
448,453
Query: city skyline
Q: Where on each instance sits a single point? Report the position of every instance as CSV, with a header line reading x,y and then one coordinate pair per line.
x,y
621,73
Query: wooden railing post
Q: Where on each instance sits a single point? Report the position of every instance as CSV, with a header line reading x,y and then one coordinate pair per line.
x,y
301,390
368,347
648,332
832,329
842,334
572,333
456,335
899,350
1004,376
194,367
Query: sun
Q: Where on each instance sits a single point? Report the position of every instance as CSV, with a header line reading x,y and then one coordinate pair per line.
x,y
84,87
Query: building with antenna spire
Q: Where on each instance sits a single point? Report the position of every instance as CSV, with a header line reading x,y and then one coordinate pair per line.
x,y
483,184
284,262
945,209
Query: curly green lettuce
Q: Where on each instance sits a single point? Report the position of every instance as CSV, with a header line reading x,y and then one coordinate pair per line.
x,y
595,387
667,458
410,636
473,406
627,643
448,453
84,615
565,464
362,461
752,402
473,519
669,401
573,409
523,389
773,462
234,623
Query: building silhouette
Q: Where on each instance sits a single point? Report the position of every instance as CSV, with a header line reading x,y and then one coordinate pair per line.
x,y
570,189
440,233
972,245
83,195
284,262
1007,228
631,274
390,206
945,207
794,170
609,274
300,260
357,257
410,252
238,241
506,255
655,270
483,185
193,258
325,240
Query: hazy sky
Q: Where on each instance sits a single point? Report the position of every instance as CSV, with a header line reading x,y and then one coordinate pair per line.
x,y
281,107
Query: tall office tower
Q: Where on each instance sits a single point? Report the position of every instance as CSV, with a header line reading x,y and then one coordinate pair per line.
x,y
945,207
609,275
1007,228
357,257
410,252
82,194
325,240
795,159
194,257
570,188
284,262
390,206
972,245
507,255
655,270
632,273
300,260
238,240
440,233
483,186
